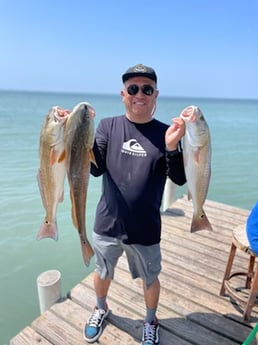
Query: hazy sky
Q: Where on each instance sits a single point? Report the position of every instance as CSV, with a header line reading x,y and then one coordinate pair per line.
x,y
197,47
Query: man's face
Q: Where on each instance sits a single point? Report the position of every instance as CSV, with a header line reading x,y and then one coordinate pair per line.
x,y
139,96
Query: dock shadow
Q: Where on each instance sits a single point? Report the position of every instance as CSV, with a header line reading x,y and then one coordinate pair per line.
x,y
130,326
173,212
239,308
195,328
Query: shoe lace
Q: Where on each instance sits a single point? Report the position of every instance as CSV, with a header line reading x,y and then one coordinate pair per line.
x,y
96,317
149,332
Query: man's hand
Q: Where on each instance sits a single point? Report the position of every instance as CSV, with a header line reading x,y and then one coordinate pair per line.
x,y
174,133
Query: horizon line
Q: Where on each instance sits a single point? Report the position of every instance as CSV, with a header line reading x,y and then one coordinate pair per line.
x,y
117,94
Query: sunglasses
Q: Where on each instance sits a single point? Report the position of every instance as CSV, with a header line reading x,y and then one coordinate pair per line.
x,y
146,89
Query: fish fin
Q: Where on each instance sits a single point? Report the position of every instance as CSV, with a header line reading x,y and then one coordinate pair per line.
x,y
48,230
87,251
61,197
197,156
62,157
200,222
53,156
41,190
92,158
74,215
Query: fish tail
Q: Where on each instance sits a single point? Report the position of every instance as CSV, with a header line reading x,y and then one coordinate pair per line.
x,y
48,230
87,252
200,222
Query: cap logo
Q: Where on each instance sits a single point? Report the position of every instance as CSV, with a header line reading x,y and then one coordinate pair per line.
x,y
140,68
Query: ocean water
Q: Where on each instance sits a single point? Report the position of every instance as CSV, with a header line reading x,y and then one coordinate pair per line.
x,y
233,126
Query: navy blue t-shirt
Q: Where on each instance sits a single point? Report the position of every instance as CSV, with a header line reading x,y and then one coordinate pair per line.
x,y
134,164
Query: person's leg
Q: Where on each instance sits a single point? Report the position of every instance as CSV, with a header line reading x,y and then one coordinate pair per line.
x,y
101,287
151,296
107,252
145,263
150,333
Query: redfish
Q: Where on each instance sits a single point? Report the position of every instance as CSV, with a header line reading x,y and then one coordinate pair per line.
x,y
52,168
197,163
79,138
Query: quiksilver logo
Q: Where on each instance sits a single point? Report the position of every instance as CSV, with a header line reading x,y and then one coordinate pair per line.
x,y
133,148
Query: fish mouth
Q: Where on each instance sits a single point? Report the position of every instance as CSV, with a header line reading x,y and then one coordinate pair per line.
x,y
92,112
189,114
61,114
87,107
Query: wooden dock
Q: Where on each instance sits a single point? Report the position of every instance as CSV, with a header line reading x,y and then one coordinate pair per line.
x,y
191,312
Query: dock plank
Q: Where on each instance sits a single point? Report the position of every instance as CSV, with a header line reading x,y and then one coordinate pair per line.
x,y
191,312
127,308
174,318
29,336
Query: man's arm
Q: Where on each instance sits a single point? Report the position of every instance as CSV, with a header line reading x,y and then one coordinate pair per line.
x,y
175,166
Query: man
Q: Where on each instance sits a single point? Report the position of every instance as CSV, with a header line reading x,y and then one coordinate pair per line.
x,y
134,154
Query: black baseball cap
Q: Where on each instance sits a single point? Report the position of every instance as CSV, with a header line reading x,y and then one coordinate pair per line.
x,y
140,71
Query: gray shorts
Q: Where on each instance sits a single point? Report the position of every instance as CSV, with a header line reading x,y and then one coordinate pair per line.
x,y
144,261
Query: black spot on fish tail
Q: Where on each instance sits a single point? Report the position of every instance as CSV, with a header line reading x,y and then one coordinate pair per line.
x,y
200,223
48,229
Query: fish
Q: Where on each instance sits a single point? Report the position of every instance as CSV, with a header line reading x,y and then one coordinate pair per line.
x,y
52,169
197,164
79,139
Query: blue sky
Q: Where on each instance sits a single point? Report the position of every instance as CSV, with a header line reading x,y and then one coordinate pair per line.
x,y
198,47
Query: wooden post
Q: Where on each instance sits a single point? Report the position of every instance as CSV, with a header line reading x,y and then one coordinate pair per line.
x,y
49,289
169,194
